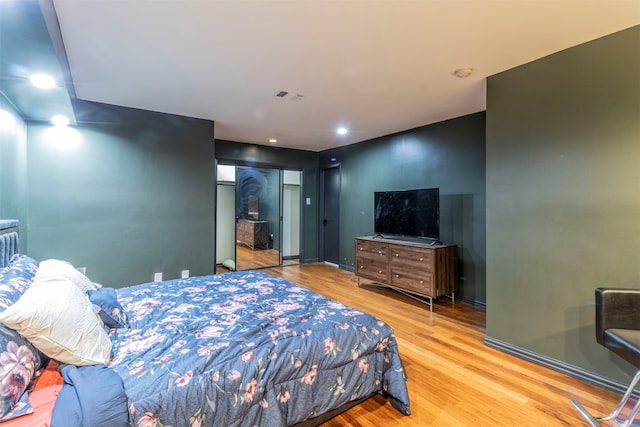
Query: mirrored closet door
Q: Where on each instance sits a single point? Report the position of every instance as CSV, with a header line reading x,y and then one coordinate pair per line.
x,y
257,217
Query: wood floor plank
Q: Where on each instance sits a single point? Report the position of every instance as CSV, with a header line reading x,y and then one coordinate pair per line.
x,y
454,378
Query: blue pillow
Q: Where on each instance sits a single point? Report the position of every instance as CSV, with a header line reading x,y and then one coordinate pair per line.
x,y
111,312
19,363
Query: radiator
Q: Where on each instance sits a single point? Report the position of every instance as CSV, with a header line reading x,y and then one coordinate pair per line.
x,y
9,241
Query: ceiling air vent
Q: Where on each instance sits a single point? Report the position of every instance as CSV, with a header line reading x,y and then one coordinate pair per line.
x,y
282,94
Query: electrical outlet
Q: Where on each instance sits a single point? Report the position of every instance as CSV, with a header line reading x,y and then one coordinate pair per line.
x,y
157,277
184,274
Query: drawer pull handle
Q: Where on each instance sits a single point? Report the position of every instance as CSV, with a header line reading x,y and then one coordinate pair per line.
x,y
380,252
421,259
397,275
360,248
421,282
379,271
397,255
361,267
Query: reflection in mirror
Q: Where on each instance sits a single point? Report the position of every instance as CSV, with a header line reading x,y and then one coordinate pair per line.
x,y
257,218
251,187
254,207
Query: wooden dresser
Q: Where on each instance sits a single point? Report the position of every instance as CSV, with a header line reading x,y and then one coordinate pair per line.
x,y
413,268
254,234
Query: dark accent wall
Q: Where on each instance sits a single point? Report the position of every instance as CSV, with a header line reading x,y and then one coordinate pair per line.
x,y
449,155
135,196
563,197
13,169
241,154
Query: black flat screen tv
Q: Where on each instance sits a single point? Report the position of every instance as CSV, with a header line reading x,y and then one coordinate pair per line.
x,y
408,213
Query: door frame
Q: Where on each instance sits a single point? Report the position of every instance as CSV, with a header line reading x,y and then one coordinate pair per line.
x,y
321,239
262,165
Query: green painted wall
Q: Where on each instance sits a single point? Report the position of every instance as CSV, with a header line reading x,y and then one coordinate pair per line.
x,y
134,197
13,168
229,152
449,155
563,197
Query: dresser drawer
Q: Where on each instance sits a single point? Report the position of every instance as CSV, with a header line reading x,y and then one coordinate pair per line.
x,y
254,234
241,235
370,249
412,281
414,267
419,258
372,268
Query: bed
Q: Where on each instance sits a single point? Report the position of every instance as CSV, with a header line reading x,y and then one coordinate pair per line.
x,y
233,349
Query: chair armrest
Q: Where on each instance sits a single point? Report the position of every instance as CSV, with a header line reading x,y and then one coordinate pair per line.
x,y
616,308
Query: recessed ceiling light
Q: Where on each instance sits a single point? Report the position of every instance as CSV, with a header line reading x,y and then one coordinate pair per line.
x,y
273,140
42,81
60,120
342,131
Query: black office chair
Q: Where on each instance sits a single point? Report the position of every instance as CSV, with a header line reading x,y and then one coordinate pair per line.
x,y
618,329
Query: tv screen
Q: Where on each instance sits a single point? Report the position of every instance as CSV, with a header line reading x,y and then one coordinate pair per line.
x,y
411,213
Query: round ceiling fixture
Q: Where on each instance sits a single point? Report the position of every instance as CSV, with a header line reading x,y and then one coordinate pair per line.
x,y
60,120
42,81
342,131
463,73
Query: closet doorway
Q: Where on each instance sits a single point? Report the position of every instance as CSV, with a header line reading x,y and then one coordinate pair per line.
x,y
257,217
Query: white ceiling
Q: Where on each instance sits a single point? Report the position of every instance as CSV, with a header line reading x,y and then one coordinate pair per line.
x,y
377,67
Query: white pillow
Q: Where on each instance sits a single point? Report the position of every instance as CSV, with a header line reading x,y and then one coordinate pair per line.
x,y
58,319
54,269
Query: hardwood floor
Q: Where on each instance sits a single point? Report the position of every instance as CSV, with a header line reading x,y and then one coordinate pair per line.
x,y
247,258
454,379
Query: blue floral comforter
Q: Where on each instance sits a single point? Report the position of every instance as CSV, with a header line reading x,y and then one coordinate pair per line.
x,y
248,349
